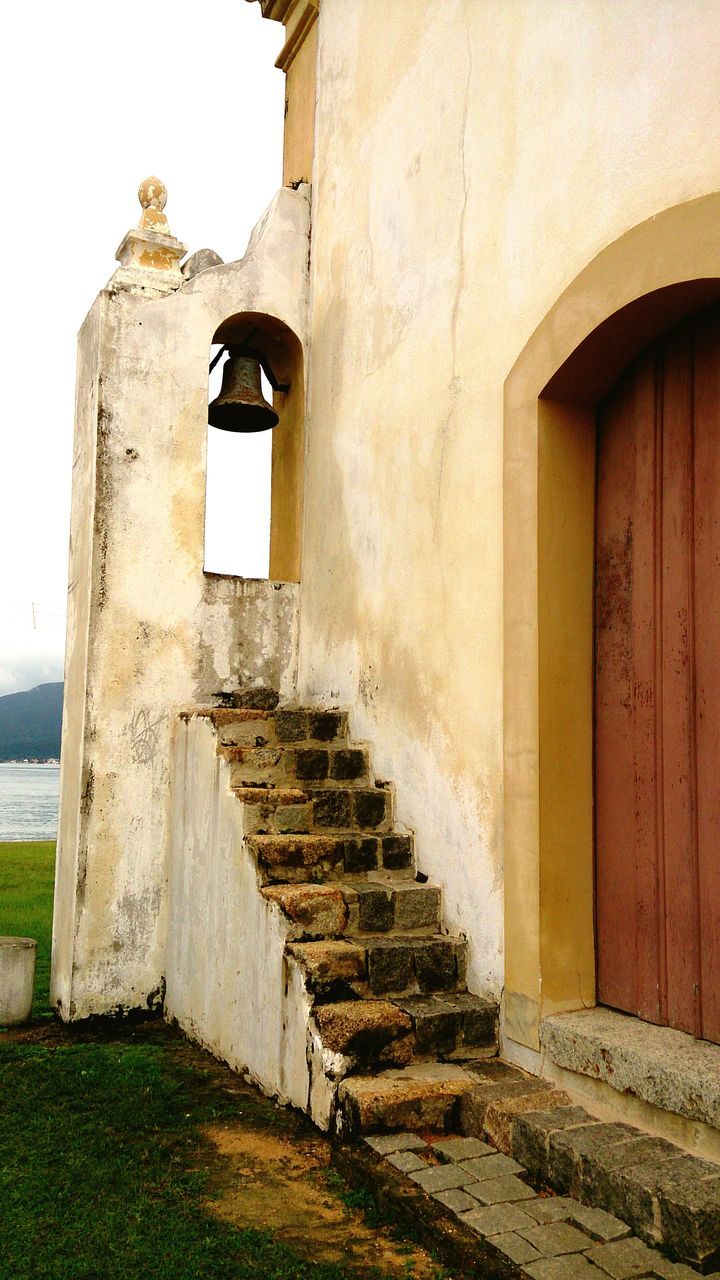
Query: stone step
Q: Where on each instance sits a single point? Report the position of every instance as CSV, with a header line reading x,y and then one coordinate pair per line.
x,y
364,1035
276,809
359,808
670,1198
235,726
310,724
292,811
241,726
314,810
661,1066
280,764
297,858
408,906
370,906
424,1096
286,726
377,965
457,1026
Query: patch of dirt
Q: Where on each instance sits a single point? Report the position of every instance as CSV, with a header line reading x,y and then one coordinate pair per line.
x,y
49,1030
266,1181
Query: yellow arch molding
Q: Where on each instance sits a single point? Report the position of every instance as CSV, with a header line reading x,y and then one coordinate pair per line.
x,y
632,291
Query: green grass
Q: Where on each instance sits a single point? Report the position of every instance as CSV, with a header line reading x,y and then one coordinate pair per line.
x,y
104,1170
26,898
101,1171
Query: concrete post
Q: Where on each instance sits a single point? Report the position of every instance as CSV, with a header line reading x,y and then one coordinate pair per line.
x,y
17,976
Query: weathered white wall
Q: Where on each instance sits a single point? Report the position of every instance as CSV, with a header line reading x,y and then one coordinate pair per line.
x,y
148,631
228,984
470,158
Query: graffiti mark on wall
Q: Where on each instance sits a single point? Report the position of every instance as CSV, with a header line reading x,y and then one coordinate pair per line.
x,y
143,735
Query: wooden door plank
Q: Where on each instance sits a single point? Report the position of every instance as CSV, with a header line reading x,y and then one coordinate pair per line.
x,y
707,664
647,817
625,801
614,873
677,863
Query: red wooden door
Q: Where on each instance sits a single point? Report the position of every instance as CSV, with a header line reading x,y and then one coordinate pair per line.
x,y
657,684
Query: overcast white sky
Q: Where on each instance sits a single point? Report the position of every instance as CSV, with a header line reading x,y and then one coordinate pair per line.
x,y
93,98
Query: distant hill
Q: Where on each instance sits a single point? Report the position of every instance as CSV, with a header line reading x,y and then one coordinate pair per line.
x,y
30,723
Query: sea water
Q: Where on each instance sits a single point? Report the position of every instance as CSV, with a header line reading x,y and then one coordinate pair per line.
x,y
29,801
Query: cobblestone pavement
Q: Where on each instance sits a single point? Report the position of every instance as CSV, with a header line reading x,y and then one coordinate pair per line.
x,y
546,1237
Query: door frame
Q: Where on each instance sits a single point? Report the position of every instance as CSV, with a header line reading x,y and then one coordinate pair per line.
x,y
641,285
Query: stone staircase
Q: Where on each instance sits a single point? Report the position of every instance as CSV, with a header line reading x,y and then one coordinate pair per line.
x,y
307,951
387,985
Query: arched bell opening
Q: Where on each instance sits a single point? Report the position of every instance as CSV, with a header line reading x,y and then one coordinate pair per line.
x,y
254,479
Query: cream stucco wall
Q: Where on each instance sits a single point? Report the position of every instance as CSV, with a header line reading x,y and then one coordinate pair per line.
x,y
470,159
229,983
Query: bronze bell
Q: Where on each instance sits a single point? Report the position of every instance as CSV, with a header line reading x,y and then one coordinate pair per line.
x,y
241,405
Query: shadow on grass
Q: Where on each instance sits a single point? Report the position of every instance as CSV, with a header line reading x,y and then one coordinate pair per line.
x,y
102,1171
108,1167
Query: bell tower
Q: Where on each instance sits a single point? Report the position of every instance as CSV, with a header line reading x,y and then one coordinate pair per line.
x,y
150,632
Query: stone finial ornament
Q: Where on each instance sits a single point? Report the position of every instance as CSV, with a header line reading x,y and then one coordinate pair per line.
x,y
152,194
149,256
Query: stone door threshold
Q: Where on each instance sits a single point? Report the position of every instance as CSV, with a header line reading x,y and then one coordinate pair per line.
x,y
665,1068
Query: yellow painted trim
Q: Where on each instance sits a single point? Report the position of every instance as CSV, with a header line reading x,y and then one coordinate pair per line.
x,y
297,35
659,271
299,138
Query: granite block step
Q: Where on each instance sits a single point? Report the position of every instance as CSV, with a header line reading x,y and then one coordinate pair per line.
x,y
373,965
310,724
281,764
362,1035
424,1096
282,810
398,964
297,858
454,1025
372,906
236,726
378,906
240,726
666,1068
334,969
271,797
374,1033
358,808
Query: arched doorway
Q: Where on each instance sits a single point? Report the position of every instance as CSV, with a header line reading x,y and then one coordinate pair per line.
x,y
652,278
657,684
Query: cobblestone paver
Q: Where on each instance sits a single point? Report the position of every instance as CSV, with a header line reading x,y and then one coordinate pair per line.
x,y
546,1237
